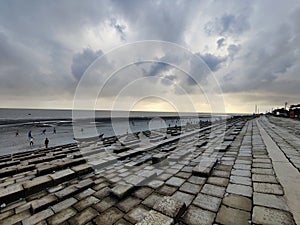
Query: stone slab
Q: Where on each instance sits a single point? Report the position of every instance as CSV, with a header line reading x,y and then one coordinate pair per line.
x,y
83,217
102,193
62,176
213,190
238,202
190,188
229,216
135,180
67,192
175,181
264,178
14,219
183,197
121,190
105,204
220,181
84,203
38,217
152,199
205,166
170,207
268,188
167,190
242,173
156,218
241,180
137,214
207,202
240,190
269,200
37,184
109,217
84,184
62,216
142,192
197,180
155,184
268,216
128,203
158,158
11,193
63,204
262,171
196,216
42,203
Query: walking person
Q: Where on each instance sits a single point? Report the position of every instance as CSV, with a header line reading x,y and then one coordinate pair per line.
x,y
54,130
17,133
46,142
31,141
29,134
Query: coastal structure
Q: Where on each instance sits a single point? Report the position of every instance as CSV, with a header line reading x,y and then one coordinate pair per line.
x,y
246,172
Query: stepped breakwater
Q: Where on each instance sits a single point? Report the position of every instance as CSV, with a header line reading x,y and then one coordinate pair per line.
x,y
187,174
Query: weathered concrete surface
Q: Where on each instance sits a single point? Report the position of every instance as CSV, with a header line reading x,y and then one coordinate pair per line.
x,y
288,175
239,184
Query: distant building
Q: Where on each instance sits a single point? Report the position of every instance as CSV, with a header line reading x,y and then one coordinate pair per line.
x,y
294,111
281,112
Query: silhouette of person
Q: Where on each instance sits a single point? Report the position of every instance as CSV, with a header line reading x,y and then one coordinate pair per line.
x,y
46,142
29,134
31,141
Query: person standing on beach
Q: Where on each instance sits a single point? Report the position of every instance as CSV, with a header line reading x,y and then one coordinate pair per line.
x,y
54,130
17,133
29,134
46,142
31,141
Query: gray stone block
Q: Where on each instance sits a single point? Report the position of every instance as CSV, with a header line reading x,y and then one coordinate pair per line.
x,y
271,201
263,215
156,218
121,190
62,176
170,207
11,193
228,216
207,202
196,216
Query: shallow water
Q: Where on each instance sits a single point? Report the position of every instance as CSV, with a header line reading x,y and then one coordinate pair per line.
x,y
36,120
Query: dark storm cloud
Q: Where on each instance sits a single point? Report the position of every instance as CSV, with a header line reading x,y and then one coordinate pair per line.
x,y
168,80
265,65
161,20
227,24
212,61
220,42
156,69
119,28
252,46
81,61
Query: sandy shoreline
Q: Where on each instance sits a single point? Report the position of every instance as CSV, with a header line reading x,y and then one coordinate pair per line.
x,y
10,143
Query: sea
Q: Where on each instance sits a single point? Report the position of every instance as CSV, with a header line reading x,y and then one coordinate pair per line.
x,y
59,126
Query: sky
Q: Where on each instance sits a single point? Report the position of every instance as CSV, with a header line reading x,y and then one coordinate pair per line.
x,y
249,50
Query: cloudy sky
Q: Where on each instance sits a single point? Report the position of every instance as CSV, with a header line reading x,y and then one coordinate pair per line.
x,y
251,49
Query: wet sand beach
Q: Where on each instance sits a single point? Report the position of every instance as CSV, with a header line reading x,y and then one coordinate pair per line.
x,y
189,176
